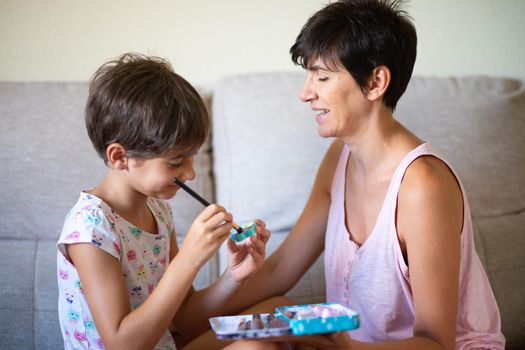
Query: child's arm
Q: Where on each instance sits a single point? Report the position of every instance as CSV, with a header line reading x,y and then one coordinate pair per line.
x,y
107,295
243,260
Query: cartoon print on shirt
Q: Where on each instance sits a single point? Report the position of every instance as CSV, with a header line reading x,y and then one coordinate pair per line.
x,y
70,296
141,272
63,274
135,232
136,292
73,236
90,214
97,239
153,266
132,256
80,336
78,285
89,324
159,237
118,246
74,316
123,236
156,249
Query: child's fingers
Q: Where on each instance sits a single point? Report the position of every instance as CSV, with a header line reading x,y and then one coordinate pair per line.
x,y
257,244
233,246
260,223
256,254
219,218
261,230
209,212
222,228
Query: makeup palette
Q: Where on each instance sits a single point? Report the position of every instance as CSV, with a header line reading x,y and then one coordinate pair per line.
x,y
289,320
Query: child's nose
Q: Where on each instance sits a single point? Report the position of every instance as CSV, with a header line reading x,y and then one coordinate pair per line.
x,y
189,173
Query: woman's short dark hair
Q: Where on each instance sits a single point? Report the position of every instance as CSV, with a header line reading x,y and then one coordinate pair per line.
x,y
141,103
361,35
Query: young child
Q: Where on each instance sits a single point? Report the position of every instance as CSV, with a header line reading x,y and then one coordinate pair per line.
x,y
123,282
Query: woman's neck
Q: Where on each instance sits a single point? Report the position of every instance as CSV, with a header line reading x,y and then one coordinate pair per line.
x,y
379,145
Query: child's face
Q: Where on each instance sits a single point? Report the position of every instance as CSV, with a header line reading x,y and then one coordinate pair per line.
x,y
154,176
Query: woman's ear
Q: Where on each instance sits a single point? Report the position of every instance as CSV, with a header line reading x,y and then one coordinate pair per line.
x,y
116,154
378,83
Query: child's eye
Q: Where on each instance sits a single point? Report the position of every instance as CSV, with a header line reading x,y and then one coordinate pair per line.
x,y
323,78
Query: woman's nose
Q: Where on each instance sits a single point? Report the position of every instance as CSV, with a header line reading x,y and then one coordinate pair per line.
x,y
306,94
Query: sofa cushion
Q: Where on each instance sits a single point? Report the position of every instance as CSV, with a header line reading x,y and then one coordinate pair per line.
x,y
503,242
50,158
477,123
266,152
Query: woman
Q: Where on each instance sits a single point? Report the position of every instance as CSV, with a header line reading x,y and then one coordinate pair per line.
x,y
390,213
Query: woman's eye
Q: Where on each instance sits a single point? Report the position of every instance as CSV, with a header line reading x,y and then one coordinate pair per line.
x,y
175,165
323,78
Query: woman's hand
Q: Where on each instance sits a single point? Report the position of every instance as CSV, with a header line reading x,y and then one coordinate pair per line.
x,y
245,258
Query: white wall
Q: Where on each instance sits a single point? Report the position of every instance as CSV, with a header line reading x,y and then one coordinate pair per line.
x,y
208,39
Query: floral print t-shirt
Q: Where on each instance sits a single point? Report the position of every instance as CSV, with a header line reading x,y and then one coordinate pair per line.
x,y
143,258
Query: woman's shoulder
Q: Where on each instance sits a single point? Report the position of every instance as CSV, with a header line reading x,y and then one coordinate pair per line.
x,y
430,189
428,173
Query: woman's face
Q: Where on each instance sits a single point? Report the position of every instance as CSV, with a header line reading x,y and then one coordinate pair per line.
x,y
336,98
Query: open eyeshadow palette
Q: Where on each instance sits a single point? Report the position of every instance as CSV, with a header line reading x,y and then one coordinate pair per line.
x,y
289,320
248,230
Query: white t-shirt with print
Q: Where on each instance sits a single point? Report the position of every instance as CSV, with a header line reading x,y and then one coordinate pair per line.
x,y
143,258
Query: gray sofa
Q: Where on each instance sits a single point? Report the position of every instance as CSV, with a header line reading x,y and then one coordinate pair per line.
x,y
260,162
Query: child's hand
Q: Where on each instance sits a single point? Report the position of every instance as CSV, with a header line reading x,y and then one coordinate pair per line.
x,y
206,235
245,258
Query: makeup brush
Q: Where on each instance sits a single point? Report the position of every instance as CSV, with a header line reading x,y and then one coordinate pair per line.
x,y
200,199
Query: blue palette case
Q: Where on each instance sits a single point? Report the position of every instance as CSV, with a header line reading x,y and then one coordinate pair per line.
x,y
290,320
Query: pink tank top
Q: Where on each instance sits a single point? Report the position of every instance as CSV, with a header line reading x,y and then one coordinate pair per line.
x,y
374,280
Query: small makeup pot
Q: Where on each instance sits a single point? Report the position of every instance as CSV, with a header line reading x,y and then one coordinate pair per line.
x,y
248,230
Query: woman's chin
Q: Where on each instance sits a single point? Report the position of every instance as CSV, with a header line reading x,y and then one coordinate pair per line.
x,y
324,133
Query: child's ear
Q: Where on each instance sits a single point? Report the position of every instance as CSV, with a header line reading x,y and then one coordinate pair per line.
x,y
116,154
378,83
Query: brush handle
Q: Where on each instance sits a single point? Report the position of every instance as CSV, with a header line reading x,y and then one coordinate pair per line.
x,y
191,192
200,199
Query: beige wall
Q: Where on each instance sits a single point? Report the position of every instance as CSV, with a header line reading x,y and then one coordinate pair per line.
x,y
208,39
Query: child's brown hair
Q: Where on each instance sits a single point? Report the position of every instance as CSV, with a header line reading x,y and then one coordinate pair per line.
x,y
141,103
